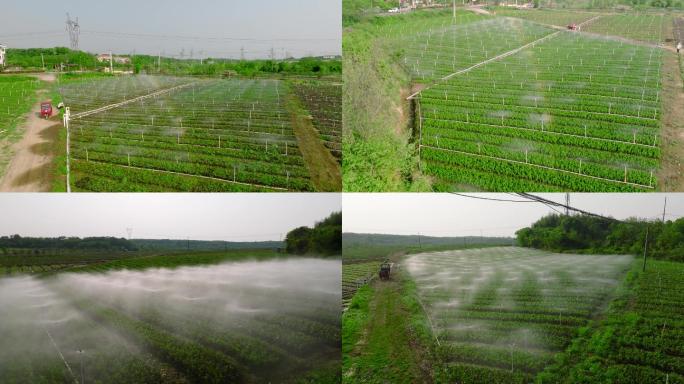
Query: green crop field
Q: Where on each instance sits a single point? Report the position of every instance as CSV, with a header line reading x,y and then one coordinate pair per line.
x,y
240,321
443,50
571,113
641,338
516,315
643,27
356,275
17,95
203,136
500,315
555,17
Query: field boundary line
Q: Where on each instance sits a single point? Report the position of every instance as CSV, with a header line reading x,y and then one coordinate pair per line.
x,y
122,103
539,166
495,58
61,355
550,133
190,175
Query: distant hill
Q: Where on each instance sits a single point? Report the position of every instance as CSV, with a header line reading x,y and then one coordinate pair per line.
x,y
172,245
357,239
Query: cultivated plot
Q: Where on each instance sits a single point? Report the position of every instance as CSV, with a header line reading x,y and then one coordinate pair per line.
x,y
17,95
645,332
234,322
355,276
571,113
501,314
561,18
641,27
441,51
87,94
213,135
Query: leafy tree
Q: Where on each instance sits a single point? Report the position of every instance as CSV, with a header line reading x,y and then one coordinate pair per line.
x,y
325,238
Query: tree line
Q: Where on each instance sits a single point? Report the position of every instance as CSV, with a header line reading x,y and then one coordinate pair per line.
x,y
54,58
596,235
325,238
72,243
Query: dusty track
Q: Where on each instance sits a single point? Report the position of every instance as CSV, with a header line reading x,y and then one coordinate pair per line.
x,y
30,167
671,176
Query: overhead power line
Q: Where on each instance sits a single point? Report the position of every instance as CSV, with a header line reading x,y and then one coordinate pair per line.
x,y
204,38
490,198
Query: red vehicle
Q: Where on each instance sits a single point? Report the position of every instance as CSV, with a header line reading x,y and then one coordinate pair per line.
x,y
46,109
572,27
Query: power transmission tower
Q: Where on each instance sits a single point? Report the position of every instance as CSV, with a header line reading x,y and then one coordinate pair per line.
x,y
74,30
242,53
129,231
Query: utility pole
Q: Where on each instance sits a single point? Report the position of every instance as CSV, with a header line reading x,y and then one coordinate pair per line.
x,y
567,204
664,207
159,63
111,62
645,249
454,5
420,245
42,59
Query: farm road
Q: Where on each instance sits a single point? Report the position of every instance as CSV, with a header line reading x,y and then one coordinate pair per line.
x,y
387,352
30,169
671,176
324,170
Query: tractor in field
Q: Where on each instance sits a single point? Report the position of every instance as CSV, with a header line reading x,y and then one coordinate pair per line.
x,y
45,109
385,269
573,27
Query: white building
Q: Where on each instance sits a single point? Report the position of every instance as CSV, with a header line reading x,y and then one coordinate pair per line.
x,y
3,49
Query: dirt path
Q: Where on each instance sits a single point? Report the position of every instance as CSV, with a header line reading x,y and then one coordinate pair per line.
x,y
30,169
671,175
388,352
324,170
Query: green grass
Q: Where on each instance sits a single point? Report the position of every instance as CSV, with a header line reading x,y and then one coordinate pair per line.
x,y
384,335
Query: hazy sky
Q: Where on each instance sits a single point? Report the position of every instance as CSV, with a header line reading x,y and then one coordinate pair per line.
x,y
227,216
452,215
297,27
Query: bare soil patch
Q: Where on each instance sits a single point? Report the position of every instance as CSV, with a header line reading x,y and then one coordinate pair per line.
x,y
31,166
